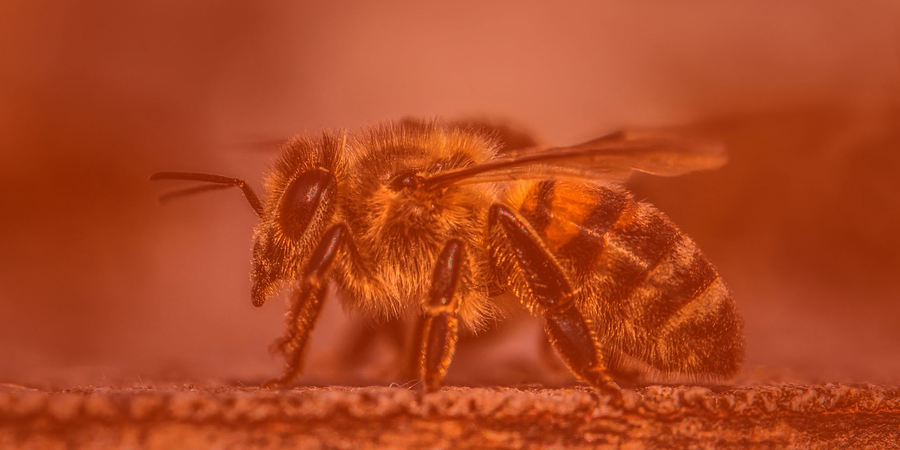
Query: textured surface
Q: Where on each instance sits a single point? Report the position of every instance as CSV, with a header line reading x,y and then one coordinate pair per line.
x,y
779,416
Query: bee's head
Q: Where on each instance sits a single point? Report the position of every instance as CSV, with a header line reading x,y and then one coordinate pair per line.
x,y
300,206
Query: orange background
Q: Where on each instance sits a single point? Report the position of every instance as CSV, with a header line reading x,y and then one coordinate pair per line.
x,y
98,284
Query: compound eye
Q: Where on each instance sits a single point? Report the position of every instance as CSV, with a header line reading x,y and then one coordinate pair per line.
x,y
308,197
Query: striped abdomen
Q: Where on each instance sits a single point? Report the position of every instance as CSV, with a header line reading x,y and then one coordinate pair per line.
x,y
649,289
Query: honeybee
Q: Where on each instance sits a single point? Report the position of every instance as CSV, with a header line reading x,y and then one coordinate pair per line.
x,y
437,221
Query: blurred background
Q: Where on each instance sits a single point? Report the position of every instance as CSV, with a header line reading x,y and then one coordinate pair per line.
x,y
101,285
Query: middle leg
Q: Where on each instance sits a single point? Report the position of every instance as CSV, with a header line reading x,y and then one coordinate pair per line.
x,y
440,327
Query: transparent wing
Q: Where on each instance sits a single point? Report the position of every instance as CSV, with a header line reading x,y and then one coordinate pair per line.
x,y
611,158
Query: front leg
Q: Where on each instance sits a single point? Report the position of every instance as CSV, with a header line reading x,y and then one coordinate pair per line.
x,y
518,251
440,327
307,301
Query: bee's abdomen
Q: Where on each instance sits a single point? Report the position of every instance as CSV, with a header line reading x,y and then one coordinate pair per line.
x,y
653,293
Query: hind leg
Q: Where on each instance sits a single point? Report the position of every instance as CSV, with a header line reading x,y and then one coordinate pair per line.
x,y
540,282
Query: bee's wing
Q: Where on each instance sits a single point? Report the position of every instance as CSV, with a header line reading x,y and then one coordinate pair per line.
x,y
610,158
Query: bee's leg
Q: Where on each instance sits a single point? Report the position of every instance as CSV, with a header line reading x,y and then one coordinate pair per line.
x,y
621,374
440,328
515,246
307,301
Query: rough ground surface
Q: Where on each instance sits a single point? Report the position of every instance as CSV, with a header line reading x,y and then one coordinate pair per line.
x,y
776,416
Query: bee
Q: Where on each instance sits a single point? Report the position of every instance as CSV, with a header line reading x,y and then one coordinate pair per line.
x,y
437,221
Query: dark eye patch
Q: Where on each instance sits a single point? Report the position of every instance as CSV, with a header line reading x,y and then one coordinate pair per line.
x,y
308,195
